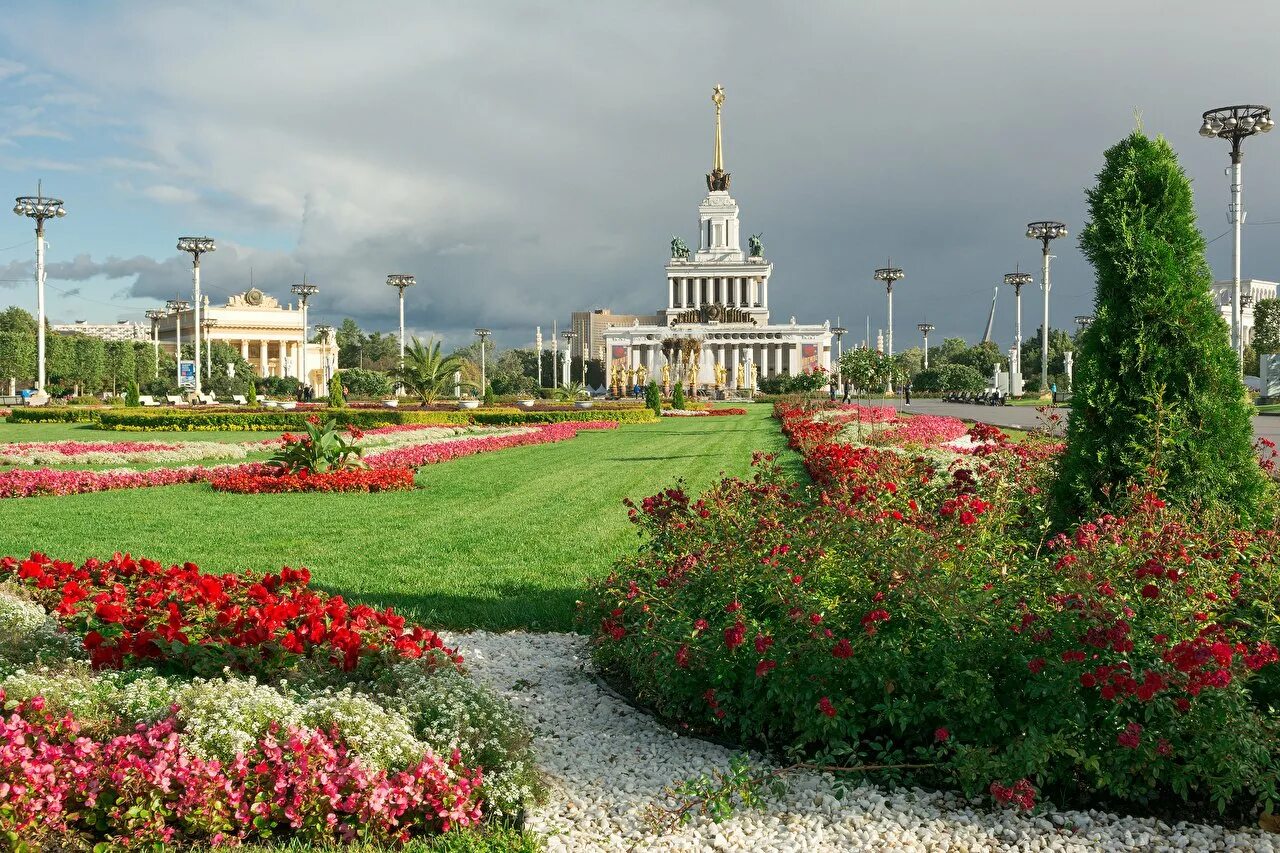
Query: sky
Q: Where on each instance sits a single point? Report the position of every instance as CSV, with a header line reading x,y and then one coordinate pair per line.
x,y
525,160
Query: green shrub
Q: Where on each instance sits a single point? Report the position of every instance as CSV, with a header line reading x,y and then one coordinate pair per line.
x,y
927,381
366,384
961,377
634,415
336,400
489,398
653,399
251,394
205,420
1158,401
131,396
677,397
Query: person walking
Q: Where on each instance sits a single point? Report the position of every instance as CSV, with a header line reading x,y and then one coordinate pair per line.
x,y
906,392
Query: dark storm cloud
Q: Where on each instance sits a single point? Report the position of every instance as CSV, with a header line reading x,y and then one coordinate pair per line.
x,y
528,160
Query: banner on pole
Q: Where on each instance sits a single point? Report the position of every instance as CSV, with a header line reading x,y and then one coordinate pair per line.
x,y
187,374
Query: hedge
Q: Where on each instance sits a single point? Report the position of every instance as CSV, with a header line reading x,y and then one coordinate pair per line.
x,y
278,419
56,415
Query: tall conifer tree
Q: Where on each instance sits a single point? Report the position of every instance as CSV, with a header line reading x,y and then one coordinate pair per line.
x,y
1157,399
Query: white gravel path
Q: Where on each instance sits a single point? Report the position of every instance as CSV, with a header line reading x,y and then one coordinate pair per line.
x,y
607,762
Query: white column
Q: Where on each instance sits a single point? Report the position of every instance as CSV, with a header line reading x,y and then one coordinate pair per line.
x,y
40,315
777,358
795,359
244,349
697,292
764,293
732,379
195,317
671,293
688,292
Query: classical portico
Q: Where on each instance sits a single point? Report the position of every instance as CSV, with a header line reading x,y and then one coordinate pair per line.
x,y
268,335
716,331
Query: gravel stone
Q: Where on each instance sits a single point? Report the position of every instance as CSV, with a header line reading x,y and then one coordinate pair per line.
x,y
606,763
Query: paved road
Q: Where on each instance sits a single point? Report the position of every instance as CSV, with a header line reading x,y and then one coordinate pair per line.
x,y
1025,417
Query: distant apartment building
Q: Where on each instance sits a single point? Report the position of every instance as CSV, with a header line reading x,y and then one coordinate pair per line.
x,y
124,330
590,326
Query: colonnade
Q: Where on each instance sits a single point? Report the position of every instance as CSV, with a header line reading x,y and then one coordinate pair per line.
x,y
772,358
731,291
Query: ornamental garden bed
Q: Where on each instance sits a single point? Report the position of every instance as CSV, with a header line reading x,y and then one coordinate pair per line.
x,y
263,480
905,615
238,708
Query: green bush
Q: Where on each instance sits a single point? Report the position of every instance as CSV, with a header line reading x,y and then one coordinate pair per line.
x,y
961,377
489,398
336,400
633,415
1158,401
927,381
143,420
653,399
131,396
677,396
251,394
365,384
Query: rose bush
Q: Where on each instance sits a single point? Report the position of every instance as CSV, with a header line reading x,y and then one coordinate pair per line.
x,y
905,611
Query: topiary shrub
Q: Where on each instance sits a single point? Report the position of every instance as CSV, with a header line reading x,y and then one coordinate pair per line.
x,y
336,400
653,398
131,395
251,395
1158,401
489,398
677,397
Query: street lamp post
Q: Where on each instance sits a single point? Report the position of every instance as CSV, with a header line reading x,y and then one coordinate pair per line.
x,y
400,281
177,306
205,325
925,329
889,274
304,292
1083,321
197,246
154,315
537,346
483,335
1045,232
1017,280
568,336
1235,124
39,207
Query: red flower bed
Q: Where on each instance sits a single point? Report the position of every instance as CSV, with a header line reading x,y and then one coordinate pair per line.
x,y
46,481
262,480
906,610
149,792
134,612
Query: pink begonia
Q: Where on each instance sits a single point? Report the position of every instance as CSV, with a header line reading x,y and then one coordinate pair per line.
x,y
54,782
426,454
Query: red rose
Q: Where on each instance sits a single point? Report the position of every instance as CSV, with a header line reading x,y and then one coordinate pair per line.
x,y
941,735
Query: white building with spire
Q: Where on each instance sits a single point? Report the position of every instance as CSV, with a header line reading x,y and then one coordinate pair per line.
x,y
716,330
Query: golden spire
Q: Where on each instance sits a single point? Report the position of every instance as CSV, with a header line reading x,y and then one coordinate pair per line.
x,y
717,98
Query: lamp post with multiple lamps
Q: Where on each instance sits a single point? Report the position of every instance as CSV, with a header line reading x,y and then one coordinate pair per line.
x,y
1235,124
925,329
889,274
324,330
205,325
304,292
1046,232
483,335
400,281
1083,321
197,246
1017,280
154,315
569,336
39,207
176,307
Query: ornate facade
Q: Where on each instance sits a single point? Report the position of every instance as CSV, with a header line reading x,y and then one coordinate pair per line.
x,y
714,331
269,336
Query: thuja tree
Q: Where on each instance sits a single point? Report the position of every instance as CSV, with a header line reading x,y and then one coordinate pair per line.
x,y
1157,400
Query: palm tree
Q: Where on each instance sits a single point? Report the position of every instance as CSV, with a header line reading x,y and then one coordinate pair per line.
x,y
426,374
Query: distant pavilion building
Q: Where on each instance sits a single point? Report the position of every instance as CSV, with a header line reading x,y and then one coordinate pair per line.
x,y
718,295
269,336
1252,290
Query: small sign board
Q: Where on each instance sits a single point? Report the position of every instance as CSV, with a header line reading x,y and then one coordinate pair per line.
x,y
187,374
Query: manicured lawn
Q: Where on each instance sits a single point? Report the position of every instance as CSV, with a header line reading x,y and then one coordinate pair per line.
x,y
500,540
